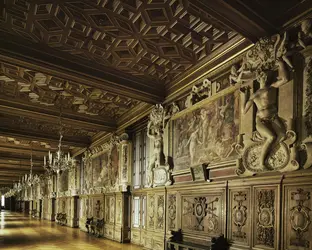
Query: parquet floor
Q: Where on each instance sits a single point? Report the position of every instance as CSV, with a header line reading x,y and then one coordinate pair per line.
x,y
20,232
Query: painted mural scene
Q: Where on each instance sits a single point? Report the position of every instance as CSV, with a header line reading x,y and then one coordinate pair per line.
x,y
156,125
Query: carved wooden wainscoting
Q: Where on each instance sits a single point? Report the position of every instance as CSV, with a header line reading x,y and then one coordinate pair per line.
x,y
64,206
155,214
113,207
85,211
46,208
271,212
110,216
199,210
116,218
254,213
297,207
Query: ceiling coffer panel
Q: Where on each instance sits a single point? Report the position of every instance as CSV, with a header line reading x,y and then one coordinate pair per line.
x,y
155,39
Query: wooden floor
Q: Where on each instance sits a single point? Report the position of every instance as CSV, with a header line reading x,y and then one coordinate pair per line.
x,y
18,231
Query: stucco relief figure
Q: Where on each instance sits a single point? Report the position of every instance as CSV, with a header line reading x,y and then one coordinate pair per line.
x,y
159,118
268,123
305,34
267,55
272,144
156,134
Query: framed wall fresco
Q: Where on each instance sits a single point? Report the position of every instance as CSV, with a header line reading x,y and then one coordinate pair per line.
x,y
206,134
102,169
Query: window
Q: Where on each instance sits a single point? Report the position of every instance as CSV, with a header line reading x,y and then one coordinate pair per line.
x,y
143,210
2,201
140,158
136,211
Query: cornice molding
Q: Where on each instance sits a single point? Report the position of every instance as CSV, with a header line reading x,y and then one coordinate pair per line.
x,y
209,66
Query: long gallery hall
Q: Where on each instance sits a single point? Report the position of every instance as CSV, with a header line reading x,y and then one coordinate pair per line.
x,y
156,124
19,231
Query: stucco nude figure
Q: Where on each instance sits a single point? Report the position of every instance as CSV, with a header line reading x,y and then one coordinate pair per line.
x,y
268,123
158,158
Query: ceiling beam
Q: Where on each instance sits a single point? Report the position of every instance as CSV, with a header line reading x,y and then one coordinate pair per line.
x,y
6,183
9,166
14,173
19,159
9,178
42,114
238,18
47,60
11,149
23,135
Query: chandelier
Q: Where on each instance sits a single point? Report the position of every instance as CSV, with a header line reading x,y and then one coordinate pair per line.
x,y
60,161
31,179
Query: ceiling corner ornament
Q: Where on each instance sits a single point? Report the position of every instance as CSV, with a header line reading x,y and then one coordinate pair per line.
x,y
272,146
159,170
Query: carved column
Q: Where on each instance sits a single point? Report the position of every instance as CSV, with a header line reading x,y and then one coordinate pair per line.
x,y
125,164
307,92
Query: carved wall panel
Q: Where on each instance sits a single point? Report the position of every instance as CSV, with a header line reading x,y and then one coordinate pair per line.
x,y
240,216
266,217
172,211
215,122
203,214
160,213
119,210
151,210
98,207
297,228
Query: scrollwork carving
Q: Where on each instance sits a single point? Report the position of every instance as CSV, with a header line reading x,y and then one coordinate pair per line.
x,y
151,211
300,218
265,234
172,211
160,212
239,215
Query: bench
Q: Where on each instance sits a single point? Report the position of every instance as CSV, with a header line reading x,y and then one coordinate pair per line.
x,y
61,219
176,242
34,213
95,226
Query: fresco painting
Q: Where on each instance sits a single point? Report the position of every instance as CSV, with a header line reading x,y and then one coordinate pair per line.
x,y
206,134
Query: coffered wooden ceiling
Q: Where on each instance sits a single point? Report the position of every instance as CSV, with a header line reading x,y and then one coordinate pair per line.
x,y
107,61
